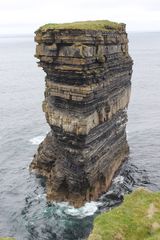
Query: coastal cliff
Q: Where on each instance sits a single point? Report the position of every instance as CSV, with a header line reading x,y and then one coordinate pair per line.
x,y
88,71
137,218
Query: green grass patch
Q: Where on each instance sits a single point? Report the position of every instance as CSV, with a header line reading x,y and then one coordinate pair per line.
x,y
138,218
104,25
7,238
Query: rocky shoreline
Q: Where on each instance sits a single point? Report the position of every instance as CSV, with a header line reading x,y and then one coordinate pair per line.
x,y
88,73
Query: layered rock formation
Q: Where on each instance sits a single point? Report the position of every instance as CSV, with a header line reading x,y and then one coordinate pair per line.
x,y
87,92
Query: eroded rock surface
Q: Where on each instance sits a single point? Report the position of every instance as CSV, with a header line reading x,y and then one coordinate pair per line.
x,y
87,92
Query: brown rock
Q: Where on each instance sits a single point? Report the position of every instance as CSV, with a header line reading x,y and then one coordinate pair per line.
x,y
87,93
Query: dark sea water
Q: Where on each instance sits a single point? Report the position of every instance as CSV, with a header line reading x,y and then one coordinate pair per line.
x,y
24,212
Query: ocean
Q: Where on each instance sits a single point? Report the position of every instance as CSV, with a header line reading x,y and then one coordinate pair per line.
x,y
24,212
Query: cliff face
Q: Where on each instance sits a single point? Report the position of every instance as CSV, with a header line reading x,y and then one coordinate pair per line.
x,y
88,71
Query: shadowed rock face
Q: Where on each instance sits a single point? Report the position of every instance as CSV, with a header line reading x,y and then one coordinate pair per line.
x,y
87,92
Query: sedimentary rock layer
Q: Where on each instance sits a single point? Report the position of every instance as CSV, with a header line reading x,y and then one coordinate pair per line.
x,y
88,72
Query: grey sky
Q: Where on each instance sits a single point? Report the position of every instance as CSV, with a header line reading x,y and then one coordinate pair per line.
x,y
25,16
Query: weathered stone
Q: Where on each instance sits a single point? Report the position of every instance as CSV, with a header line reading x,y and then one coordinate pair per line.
x,y
86,96
77,51
46,50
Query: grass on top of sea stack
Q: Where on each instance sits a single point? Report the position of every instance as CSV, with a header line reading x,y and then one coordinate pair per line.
x,y
104,25
138,218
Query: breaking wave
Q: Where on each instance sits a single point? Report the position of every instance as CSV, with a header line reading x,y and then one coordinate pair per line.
x,y
37,140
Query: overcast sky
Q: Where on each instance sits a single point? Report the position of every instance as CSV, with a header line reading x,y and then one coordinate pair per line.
x,y
25,16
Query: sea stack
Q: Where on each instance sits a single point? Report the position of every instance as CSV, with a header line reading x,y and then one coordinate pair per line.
x,y
88,72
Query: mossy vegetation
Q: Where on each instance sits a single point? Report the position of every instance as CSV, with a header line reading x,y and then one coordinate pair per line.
x,y
7,238
104,25
138,218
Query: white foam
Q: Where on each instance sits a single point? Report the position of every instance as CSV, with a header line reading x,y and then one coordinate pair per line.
x,y
40,197
118,179
87,210
37,140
